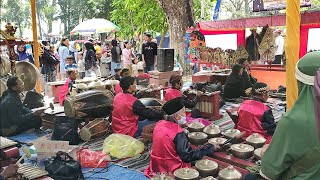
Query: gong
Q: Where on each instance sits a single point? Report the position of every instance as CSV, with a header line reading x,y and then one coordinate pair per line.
x,y
5,65
28,73
3,87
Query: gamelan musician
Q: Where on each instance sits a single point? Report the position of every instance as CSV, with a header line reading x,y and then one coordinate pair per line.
x,y
128,109
15,117
174,91
124,73
255,116
170,148
67,88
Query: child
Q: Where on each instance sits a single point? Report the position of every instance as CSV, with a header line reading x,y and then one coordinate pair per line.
x,y
142,78
81,67
70,64
67,88
136,64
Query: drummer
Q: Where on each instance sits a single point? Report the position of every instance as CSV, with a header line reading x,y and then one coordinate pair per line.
x,y
15,117
67,88
255,116
128,110
170,149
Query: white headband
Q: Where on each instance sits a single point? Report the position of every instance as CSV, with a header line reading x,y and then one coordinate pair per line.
x,y
304,78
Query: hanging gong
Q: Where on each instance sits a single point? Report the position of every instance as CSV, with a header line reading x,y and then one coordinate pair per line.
x,y
3,87
28,73
5,65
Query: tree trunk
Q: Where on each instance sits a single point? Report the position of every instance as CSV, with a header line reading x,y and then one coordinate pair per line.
x,y
180,16
163,36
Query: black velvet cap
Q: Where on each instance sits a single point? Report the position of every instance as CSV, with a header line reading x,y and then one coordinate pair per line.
x,y
173,105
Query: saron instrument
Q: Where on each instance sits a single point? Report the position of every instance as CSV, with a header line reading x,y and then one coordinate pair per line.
x,y
89,104
95,129
209,104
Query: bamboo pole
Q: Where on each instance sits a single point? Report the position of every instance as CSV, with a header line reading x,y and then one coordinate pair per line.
x,y
292,49
35,41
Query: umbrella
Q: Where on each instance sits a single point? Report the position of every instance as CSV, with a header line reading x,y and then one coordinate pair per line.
x,y
95,26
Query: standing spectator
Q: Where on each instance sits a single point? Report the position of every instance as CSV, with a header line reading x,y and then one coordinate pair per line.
x,y
63,53
70,63
23,55
73,50
116,56
90,58
279,46
149,54
127,55
53,52
81,66
49,63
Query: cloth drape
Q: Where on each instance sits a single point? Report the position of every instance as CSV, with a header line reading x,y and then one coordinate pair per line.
x,y
241,34
292,46
304,36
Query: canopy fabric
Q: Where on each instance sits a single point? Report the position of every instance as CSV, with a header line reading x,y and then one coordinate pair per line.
x,y
95,26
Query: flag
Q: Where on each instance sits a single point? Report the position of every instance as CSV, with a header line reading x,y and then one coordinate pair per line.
x,y
216,10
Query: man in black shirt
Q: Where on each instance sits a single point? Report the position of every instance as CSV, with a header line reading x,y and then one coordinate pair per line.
x,y
149,54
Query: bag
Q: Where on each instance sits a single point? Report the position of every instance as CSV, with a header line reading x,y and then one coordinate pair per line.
x,y
66,129
63,167
92,159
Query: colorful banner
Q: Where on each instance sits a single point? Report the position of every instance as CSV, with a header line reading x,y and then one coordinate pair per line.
x,y
292,49
269,5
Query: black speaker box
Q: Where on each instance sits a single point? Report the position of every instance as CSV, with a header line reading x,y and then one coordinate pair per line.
x,y
165,59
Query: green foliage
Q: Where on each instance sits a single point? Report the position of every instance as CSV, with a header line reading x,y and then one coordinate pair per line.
x,y
137,16
209,8
17,12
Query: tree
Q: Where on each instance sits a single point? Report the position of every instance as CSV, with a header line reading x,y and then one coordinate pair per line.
x,y
180,16
18,12
138,16
48,11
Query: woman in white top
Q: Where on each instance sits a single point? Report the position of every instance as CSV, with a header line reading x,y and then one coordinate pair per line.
x,y
127,55
63,53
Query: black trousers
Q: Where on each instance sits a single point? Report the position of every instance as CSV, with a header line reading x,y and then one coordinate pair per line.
x,y
277,59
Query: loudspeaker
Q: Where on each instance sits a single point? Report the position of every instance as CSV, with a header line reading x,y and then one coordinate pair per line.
x,y
165,59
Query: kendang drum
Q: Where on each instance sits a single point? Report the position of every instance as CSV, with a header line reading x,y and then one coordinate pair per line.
x,y
89,104
95,129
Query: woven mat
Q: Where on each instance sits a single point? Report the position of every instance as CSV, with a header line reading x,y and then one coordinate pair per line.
x,y
30,136
137,163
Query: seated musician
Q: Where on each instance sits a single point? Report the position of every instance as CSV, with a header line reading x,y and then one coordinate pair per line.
x,y
234,86
67,88
255,116
294,150
249,81
170,148
174,91
15,117
124,73
128,110
142,78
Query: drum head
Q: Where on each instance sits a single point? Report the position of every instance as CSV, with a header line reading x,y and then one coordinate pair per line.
x,y
85,134
150,102
3,87
69,108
